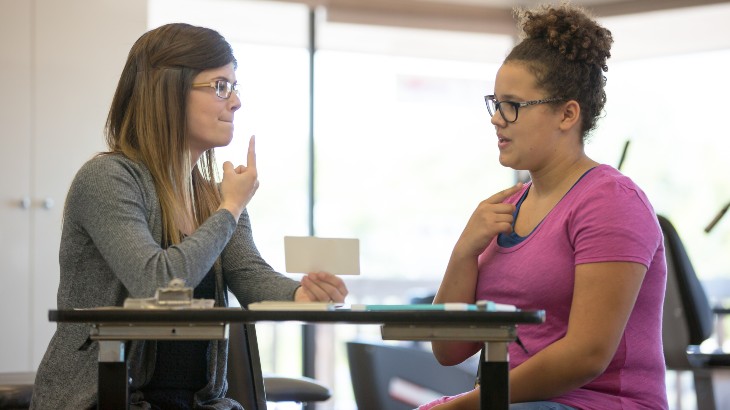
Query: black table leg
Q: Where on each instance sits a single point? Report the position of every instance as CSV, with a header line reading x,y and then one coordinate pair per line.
x,y
113,389
494,377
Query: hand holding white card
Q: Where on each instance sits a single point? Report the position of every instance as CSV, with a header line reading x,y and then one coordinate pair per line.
x,y
338,256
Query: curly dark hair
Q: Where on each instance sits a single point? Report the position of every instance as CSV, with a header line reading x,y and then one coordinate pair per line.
x,y
566,50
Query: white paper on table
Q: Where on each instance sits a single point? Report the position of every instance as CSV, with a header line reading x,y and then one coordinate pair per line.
x,y
338,256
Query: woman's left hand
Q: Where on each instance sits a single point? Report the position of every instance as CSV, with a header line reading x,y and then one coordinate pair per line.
x,y
321,287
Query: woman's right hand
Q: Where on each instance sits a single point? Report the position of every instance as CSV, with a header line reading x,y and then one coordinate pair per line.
x,y
491,218
240,183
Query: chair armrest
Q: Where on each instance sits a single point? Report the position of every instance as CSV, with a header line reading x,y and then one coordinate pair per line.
x,y
298,389
698,358
721,311
16,389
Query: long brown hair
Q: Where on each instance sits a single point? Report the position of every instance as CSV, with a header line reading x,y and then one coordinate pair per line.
x,y
147,119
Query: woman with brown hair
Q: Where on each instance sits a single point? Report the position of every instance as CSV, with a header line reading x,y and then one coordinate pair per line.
x,y
150,210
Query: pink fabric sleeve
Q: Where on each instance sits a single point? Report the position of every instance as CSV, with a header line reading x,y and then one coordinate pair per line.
x,y
440,400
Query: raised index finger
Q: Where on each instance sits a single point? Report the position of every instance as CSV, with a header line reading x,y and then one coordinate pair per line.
x,y
500,196
251,156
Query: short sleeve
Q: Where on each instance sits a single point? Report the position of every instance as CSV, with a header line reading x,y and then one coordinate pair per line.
x,y
614,223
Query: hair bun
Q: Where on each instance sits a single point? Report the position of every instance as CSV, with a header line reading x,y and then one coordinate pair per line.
x,y
570,30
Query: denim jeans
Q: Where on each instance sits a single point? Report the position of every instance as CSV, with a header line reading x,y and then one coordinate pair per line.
x,y
539,405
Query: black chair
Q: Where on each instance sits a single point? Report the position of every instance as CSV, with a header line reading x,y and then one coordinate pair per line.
x,y
248,386
398,377
16,390
688,320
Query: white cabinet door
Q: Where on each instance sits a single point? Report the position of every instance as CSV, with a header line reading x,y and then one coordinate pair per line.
x,y
60,63
15,189
79,58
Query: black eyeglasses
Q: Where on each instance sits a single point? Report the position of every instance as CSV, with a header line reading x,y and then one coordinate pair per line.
x,y
223,88
510,109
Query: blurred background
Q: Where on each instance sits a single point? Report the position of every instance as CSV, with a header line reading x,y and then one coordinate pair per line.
x,y
370,123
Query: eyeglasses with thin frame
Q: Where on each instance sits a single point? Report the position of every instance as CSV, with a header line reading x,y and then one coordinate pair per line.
x,y
223,89
510,109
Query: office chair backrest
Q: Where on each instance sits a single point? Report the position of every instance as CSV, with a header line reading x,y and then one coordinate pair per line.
x,y
396,377
245,381
688,317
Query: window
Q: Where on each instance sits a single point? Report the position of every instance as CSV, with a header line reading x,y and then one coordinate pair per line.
x,y
404,153
405,148
668,98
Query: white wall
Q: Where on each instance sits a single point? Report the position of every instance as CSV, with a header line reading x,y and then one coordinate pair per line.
x,y
59,61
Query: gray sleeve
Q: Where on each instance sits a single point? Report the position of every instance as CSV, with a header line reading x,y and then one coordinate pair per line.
x,y
247,275
114,202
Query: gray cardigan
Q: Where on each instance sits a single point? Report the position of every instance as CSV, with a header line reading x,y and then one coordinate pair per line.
x,y
110,250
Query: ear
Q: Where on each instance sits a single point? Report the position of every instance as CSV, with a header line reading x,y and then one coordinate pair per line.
x,y
570,115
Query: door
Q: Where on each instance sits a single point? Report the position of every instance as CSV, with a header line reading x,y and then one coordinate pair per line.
x,y
60,63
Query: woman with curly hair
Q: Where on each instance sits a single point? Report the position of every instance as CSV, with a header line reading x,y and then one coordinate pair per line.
x,y
579,240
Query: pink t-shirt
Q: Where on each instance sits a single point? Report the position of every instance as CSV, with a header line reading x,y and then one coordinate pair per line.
x,y
605,217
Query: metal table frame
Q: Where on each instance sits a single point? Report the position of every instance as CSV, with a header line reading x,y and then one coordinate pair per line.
x,y
112,327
